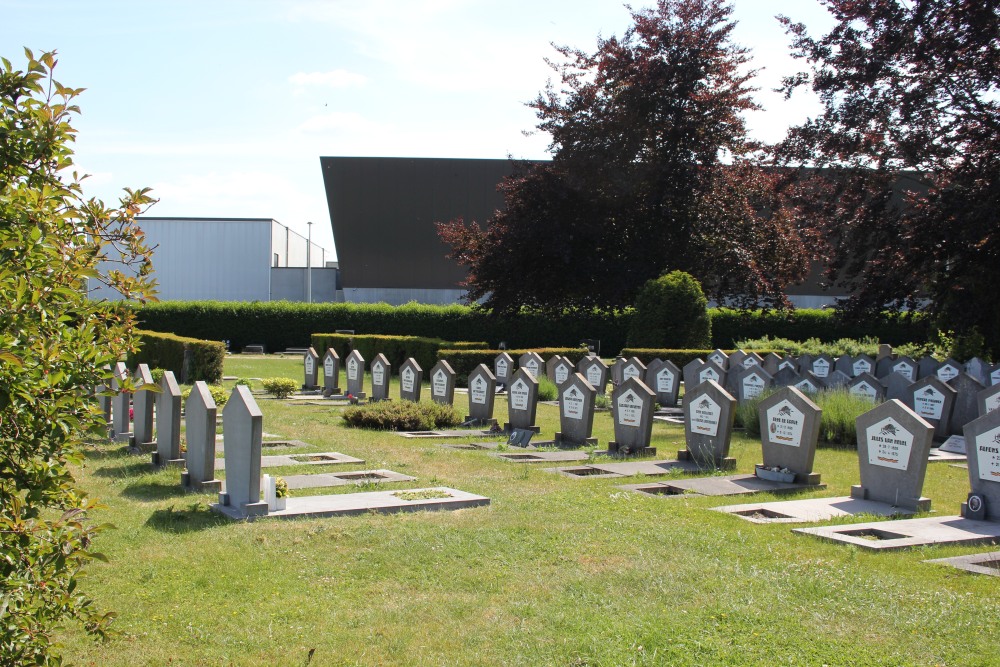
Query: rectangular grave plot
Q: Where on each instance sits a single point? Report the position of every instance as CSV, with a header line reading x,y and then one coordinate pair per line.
x,y
587,471
362,476
665,490
762,514
520,457
873,534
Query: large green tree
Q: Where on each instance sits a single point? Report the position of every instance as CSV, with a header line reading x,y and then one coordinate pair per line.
x,y
652,170
910,127
55,345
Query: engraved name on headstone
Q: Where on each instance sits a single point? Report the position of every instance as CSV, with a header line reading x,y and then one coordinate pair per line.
x,y
532,363
932,399
331,372
442,383
354,367
596,372
482,393
522,401
411,377
789,427
576,412
381,371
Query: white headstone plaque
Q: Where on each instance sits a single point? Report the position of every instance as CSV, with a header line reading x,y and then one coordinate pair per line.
x,y
573,403
562,373
753,386
865,389
988,455
821,367
406,379
889,444
785,423
378,373
928,403
439,383
532,367
629,409
708,374
594,374
664,381
477,390
328,366
862,366
518,395
705,416
905,369
352,368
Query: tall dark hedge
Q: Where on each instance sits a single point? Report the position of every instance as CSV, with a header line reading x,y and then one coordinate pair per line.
x,y
168,351
671,312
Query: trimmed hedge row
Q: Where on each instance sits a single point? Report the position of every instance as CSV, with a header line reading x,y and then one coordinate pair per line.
x,y
190,359
396,349
280,325
464,362
681,358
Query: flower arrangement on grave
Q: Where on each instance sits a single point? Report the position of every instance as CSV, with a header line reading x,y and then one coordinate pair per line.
x,y
280,487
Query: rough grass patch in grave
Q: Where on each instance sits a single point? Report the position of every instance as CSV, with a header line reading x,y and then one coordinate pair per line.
x,y
402,416
836,425
547,390
429,494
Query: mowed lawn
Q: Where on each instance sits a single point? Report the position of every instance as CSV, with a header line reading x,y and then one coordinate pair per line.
x,y
556,571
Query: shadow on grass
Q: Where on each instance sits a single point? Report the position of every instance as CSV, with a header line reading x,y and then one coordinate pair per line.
x,y
153,491
131,469
185,519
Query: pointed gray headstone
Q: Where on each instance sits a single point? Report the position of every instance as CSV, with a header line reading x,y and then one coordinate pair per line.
x,y
988,400
104,405
931,399
616,371
310,366
690,373
736,358
633,368
845,364
503,368
168,421
965,407
804,363
893,446
789,363
143,403
789,430
710,371
786,377
709,411
576,412
442,379
808,383
331,372
482,393
770,363
867,385
242,438
982,444
751,383
561,370
411,378
596,372
522,401
120,404
836,379
200,413
902,365
532,363
354,368
978,369
949,370
720,358
381,371
664,378
863,364
752,359
897,386
632,406
926,366
821,366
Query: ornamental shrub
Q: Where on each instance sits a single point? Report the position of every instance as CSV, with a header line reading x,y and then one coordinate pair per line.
x,y
279,387
402,416
671,311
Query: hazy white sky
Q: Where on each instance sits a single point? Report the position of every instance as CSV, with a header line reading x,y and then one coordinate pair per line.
x,y
224,107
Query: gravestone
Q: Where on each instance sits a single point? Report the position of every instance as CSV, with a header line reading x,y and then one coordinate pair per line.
x,y
331,373
243,431
710,371
442,383
381,371
596,372
785,377
789,430
845,364
522,401
965,407
709,411
310,364
821,366
503,368
884,352
982,442
120,404
736,358
354,366
927,366
770,363
616,371
988,400
995,375
720,358
576,412
836,379
168,422
633,368
751,383
902,365
104,406
865,384
897,386
411,378
863,364
143,403
690,372
978,369
632,406
561,370
788,362
808,383
200,414
805,362
893,446
931,399
664,378
752,359
532,363
482,394
949,370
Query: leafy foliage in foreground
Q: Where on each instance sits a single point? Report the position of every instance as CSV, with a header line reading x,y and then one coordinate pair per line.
x,y
402,416
55,348
279,387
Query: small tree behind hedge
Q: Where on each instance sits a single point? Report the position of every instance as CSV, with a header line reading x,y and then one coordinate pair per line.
x,y
671,312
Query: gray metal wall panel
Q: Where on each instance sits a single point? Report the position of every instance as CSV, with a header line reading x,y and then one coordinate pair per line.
x,y
289,284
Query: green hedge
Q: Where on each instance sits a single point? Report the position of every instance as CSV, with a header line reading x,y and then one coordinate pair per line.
x,y
681,358
280,325
464,361
168,351
396,349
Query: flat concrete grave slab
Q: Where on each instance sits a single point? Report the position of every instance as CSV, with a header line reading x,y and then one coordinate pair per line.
x,y
530,456
345,478
382,502
987,563
811,510
730,485
462,433
627,469
267,444
906,533
311,459
470,445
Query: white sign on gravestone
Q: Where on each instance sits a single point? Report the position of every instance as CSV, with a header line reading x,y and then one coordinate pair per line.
x,y
864,389
719,358
501,368
352,368
439,383
518,395
753,386
988,455
784,423
995,376
993,402
947,372
862,366
562,373
708,374
572,402
705,416
889,444
750,361
378,373
928,403
531,366
787,363
594,374
904,369
406,379
631,371
664,380
629,409
821,368
806,385
310,369
477,390
328,366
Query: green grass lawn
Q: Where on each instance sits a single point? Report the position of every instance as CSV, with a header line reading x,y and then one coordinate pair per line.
x,y
557,571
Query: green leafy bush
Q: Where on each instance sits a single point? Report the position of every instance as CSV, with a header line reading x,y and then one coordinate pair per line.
x,y
190,359
157,374
402,416
729,326
246,381
219,394
279,387
547,389
671,311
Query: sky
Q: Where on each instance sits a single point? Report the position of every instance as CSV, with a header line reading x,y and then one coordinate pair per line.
x,y
224,107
